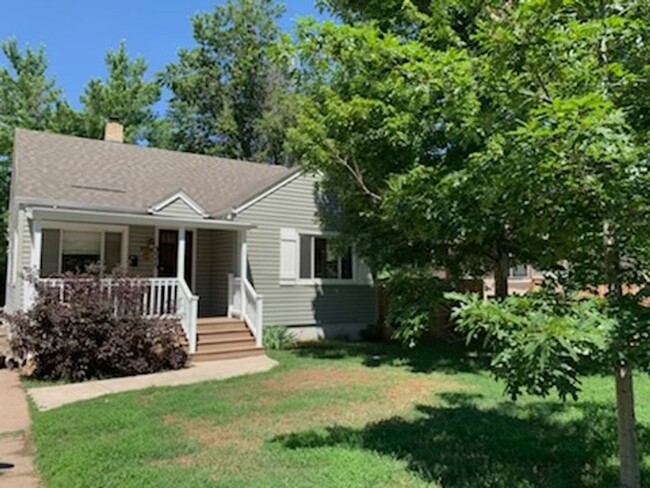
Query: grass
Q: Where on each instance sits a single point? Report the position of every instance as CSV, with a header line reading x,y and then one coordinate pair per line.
x,y
339,415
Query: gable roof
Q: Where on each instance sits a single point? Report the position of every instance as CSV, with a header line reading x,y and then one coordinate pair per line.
x,y
180,197
80,172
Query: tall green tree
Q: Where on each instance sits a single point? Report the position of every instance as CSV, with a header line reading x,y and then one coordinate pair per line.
x,y
231,93
29,99
459,133
378,121
126,94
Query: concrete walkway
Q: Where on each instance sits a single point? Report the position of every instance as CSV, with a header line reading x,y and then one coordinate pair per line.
x,y
16,461
48,397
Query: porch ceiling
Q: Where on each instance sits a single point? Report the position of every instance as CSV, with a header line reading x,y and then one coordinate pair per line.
x,y
104,217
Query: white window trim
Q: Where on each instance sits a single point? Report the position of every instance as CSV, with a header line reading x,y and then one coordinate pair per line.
x,y
320,281
102,229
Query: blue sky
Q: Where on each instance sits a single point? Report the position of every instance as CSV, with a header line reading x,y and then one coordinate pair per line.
x,y
77,33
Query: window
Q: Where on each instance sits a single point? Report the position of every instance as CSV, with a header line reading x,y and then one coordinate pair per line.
x,y
74,249
319,259
519,271
79,250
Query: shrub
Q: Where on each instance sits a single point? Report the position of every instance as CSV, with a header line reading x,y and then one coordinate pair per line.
x,y
377,332
92,330
413,299
278,337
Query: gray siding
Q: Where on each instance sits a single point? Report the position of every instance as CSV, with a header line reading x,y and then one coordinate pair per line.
x,y
294,206
215,258
224,259
178,208
140,238
16,290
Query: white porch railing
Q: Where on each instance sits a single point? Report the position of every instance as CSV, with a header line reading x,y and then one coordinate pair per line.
x,y
248,306
188,310
162,297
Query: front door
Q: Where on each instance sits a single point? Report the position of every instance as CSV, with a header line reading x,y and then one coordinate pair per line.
x,y
167,251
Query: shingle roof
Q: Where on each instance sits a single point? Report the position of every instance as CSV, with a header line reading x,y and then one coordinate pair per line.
x,y
81,171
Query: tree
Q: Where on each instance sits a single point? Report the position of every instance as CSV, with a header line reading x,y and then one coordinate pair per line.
x,y
29,99
449,130
377,119
583,146
125,95
231,92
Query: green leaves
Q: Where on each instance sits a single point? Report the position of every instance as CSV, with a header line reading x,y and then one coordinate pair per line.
x,y
29,99
125,94
376,114
542,342
232,92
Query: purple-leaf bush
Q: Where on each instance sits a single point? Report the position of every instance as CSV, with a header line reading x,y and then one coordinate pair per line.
x,y
94,328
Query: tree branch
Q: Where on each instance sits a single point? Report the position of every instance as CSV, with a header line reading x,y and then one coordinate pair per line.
x,y
357,174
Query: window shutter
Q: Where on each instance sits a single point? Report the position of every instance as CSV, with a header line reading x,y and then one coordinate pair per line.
x,y
289,241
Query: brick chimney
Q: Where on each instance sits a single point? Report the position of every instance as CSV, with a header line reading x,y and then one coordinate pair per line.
x,y
114,131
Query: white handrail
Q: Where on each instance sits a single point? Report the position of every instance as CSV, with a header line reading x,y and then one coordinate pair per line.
x,y
250,288
244,302
190,312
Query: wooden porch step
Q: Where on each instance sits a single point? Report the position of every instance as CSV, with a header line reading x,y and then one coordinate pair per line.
x,y
218,321
224,338
213,325
227,354
228,346
219,338
221,329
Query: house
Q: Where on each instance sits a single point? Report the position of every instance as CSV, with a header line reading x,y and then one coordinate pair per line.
x,y
233,246
521,279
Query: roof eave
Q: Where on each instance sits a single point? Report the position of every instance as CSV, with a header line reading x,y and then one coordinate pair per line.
x,y
107,217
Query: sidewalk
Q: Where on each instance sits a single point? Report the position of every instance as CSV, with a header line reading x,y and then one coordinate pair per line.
x,y
16,460
49,397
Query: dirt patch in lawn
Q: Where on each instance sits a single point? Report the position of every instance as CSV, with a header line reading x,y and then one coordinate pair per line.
x,y
317,378
396,394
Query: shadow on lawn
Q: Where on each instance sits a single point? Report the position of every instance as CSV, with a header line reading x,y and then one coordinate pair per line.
x,y
426,357
513,446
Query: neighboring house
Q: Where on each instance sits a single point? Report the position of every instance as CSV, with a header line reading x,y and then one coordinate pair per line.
x,y
521,279
188,224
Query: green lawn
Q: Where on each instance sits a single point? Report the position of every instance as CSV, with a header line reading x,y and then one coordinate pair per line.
x,y
339,415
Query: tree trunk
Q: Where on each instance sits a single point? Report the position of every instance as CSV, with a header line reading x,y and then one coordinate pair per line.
x,y
628,452
628,449
501,272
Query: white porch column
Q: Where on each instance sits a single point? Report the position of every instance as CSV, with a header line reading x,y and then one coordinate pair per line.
x,y
35,262
180,263
243,269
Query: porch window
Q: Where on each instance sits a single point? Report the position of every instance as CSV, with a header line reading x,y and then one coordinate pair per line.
x,y
73,250
80,250
319,259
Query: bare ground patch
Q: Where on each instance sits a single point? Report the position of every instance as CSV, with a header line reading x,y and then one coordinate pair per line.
x,y
397,394
317,378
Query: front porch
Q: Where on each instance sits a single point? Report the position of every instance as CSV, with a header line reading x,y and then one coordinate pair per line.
x,y
191,269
